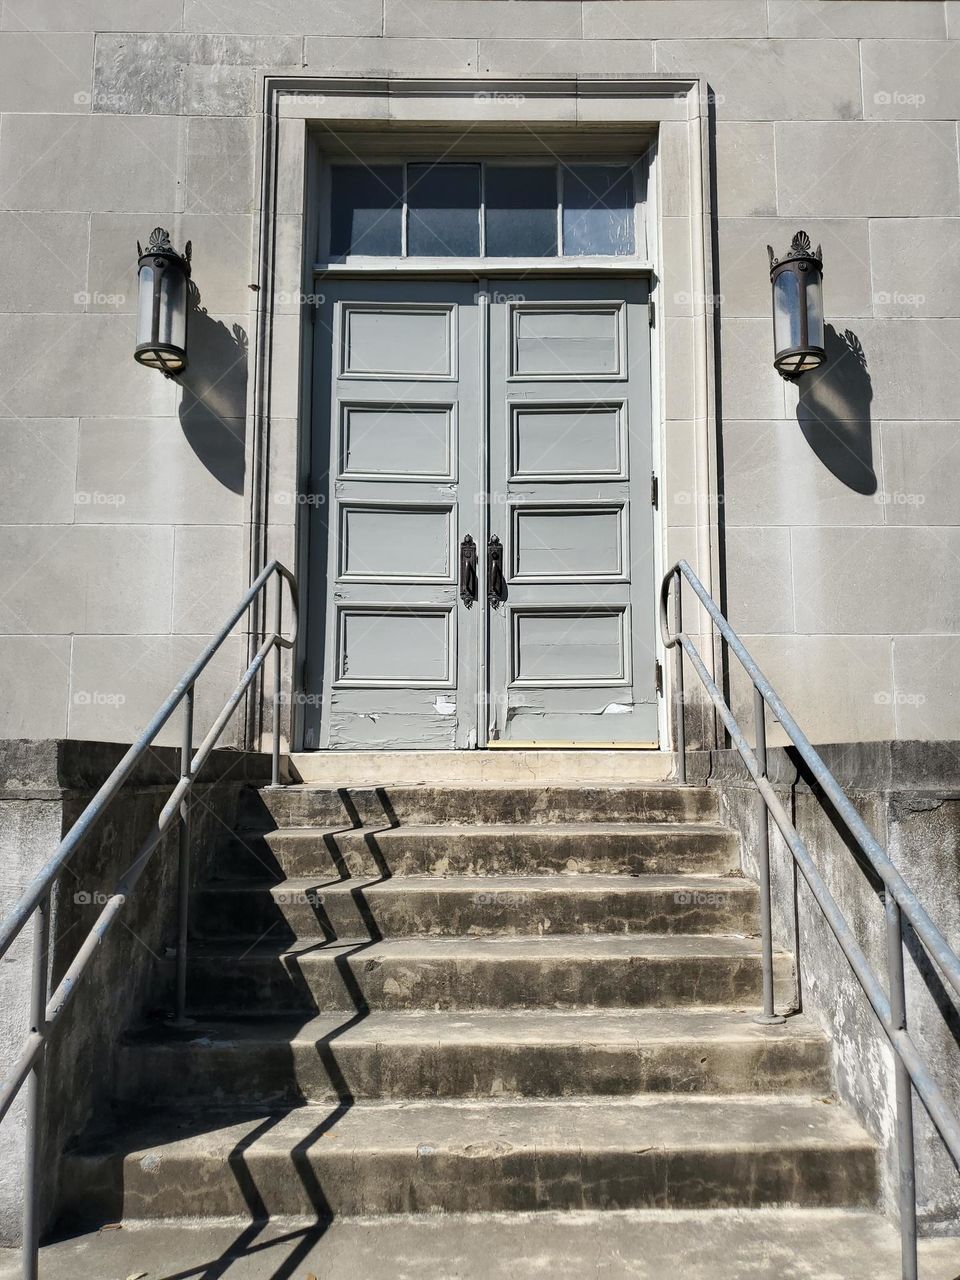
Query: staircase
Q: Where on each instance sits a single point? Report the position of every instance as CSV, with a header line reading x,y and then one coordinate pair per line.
x,y
475,997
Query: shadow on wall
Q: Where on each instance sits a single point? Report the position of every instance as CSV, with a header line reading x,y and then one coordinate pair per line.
x,y
214,402
834,412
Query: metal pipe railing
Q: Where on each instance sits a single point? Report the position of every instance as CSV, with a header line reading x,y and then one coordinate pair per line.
x,y
912,1072
36,900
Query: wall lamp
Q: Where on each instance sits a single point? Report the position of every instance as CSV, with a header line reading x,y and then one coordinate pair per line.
x,y
163,276
797,280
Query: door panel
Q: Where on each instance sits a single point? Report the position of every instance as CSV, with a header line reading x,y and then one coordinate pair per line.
x,y
572,642
397,449
548,449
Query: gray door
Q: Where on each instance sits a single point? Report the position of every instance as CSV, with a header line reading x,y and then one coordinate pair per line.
x,y
522,420
572,640
396,449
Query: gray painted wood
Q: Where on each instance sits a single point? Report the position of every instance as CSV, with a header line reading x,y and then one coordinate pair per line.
x,y
572,647
394,656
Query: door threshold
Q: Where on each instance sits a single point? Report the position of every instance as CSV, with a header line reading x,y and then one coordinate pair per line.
x,y
573,746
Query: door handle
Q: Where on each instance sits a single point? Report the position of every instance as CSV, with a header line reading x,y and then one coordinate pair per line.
x,y
496,586
468,571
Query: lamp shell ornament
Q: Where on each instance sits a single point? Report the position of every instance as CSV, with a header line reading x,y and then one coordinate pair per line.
x,y
797,282
163,290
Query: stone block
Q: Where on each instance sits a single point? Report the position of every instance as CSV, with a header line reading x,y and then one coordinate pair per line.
x,y
286,17
89,162
160,471
46,73
376,56
871,581
664,19
772,79
744,263
221,157
39,469
821,19
92,15
82,365
746,169
222,248
863,168
482,19
926,687
759,581
185,74
117,683
86,579
751,386
835,687
208,583
35,671
565,57
919,473
916,266
911,79
43,263
779,473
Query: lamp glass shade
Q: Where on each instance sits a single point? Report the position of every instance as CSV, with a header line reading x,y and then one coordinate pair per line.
x,y
814,294
786,311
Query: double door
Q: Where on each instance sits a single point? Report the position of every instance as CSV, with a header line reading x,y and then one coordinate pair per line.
x,y
481,552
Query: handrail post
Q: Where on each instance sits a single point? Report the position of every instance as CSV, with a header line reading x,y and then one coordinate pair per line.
x,y
180,1018
278,656
905,1146
678,685
33,1136
768,1017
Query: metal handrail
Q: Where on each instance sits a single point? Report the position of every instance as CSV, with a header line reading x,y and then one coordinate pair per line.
x,y
35,901
900,901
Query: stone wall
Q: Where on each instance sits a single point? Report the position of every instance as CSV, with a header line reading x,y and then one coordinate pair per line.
x,y
44,786
909,796
125,495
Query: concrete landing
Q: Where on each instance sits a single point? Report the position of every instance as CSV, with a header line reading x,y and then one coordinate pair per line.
x,y
719,1245
549,768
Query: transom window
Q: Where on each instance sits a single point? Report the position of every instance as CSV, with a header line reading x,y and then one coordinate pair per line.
x,y
485,209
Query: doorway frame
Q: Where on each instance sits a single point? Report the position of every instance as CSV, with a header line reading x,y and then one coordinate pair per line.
x,y
300,112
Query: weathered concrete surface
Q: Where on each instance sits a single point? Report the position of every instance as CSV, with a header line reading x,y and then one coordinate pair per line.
x,y
483,973
411,768
768,1244
908,793
480,906
533,1053
44,788
495,849
468,1156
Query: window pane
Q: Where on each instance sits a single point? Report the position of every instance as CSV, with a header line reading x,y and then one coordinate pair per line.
x,y
598,205
443,202
366,209
521,205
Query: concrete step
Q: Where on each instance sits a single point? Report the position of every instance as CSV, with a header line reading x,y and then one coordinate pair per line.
x,y
479,1157
701,1244
302,806
466,768
600,848
407,906
424,1055
599,971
